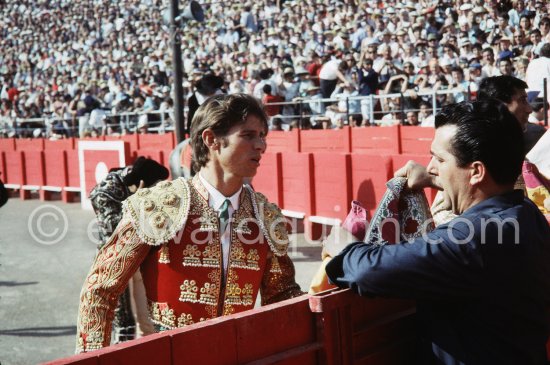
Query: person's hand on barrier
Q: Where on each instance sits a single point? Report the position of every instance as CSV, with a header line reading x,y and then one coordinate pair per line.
x,y
336,241
417,176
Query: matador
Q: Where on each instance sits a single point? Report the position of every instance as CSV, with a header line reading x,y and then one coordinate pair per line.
x,y
205,246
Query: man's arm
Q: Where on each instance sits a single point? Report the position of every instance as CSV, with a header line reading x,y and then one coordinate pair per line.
x,y
423,269
278,282
113,267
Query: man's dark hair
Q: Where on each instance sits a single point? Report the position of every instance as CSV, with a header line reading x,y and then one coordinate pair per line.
x,y
486,132
220,113
502,88
267,89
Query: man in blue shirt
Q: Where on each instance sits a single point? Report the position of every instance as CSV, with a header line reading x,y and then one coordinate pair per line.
x,y
481,281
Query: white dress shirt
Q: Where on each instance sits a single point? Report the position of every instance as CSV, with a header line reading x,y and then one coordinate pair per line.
x,y
215,201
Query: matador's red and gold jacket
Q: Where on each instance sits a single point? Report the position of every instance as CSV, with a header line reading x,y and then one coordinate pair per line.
x,y
171,234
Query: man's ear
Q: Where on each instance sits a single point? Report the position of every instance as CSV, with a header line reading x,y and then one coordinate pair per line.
x,y
478,173
210,139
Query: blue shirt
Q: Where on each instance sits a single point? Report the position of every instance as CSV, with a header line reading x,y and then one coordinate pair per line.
x,y
481,299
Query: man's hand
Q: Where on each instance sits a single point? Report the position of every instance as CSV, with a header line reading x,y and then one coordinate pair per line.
x,y
417,176
336,241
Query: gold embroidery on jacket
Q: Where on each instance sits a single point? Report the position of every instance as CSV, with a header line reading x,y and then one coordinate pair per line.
x,y
237,256
247,291
189,290
208,294
164,257
191,256
185,320
252,259
211,256
233,294
162,314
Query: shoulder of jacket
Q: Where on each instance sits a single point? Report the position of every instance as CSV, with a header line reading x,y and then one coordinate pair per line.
x,y
272,222
158,213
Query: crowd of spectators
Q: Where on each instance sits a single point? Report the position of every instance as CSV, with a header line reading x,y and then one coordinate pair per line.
x,y
61,60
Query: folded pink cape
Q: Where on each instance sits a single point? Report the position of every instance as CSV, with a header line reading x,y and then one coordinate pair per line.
x,y
356,221
400,216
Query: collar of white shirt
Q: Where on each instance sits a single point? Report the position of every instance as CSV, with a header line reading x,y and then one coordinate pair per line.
x,y
216,199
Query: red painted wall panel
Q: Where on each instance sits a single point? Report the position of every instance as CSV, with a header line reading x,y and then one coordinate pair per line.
x,y
7,144
283,327
61,144
337,140
416,140
154,349
15,165
56,167
2,167
132,140
279,141
332,172
34,167
73,170
369,176
155,141
29,144
380,140
298,183
211,342
268,179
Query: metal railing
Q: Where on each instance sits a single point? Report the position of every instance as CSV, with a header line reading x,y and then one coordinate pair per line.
x,y
368,107
371,108
104,123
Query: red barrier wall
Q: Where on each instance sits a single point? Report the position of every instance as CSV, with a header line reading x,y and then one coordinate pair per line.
x,y
381,140
155,141
34,167
269,179
369,176
319,140
2,167
29,144
416,140
15,168
60,144
332,172
275,320
279,141
298,182
7,144
332,328
132,140
56,165
73,168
